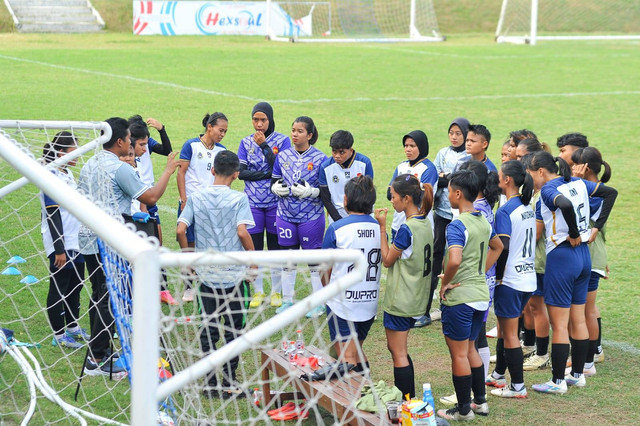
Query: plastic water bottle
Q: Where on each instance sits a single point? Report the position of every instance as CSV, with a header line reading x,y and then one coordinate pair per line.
x,y
257,397
427,397
300,342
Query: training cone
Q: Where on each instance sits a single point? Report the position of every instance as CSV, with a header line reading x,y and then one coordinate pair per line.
x,y
11,271
29,279
16,259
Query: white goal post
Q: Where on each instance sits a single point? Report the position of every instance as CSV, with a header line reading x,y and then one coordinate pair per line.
x,y
346,21
529,21
150,340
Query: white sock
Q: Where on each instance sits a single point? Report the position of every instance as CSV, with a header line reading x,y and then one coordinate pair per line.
x,y
485,354
258,286
588,365
276,280
316,283
73,329
288,285
517,386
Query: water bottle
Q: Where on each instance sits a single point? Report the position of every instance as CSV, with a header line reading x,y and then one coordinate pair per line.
x,y
257,396
300,342
427,397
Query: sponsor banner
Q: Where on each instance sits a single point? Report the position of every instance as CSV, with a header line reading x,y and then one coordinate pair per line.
x,y
214,18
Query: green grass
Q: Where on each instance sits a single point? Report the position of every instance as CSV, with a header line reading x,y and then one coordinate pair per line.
x,y
378,92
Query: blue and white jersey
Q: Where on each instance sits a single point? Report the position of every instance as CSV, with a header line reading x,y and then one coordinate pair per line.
x,y
293,166
70,225
595,207
216,212
111,184
577,191
335,176
145,166
484,208
490,166
445,161
425,171
360,232
251,155
198,176
517,222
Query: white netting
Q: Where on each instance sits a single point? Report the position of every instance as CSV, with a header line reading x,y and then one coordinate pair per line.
x,y
363,19
572,18
189,393
24,287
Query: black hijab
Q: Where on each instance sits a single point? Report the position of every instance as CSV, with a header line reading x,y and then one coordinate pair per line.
x,y
266,109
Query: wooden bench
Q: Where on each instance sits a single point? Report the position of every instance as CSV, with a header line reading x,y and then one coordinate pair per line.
x,y
337,396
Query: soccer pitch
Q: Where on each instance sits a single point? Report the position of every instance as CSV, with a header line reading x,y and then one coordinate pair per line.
x,y
379,92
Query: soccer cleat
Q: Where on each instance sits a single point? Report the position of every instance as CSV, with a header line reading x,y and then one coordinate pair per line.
x,y
257,300
66,341
535,362
316,312
79,333
454,414
436,315
528,351
93,368
496,383
188,295
493,358
289,406
578,382
480,409
284,307
599,356
510,392
276,300
449,400
551,387
423,321
588,372
167,298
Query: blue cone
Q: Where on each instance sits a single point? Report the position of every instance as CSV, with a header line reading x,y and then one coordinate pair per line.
x,y
16,259
11,271
29,279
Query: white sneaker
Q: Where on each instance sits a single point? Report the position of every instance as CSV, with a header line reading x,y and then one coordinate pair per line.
x,y
188,295
436,315
535,362
578,382
587,372
510,392
493,358
493,332
449,400
528,351
551,387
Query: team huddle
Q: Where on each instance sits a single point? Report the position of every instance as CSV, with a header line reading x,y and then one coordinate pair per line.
x,y
526,238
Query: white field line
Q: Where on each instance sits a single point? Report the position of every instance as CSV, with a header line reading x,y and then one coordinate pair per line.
x,y
622,346
329,100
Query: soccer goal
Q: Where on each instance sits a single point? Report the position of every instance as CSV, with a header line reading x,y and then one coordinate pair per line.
x,y
353,21
527,21
171,378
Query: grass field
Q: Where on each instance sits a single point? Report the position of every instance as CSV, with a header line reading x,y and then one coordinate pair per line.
x,y
378,92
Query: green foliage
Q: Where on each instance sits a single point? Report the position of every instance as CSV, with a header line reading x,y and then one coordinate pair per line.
x,y
378,92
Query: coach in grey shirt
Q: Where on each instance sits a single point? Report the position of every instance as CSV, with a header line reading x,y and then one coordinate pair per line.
x,y
111,184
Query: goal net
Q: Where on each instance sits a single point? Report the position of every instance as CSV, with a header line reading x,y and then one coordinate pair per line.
x,y
527,21
211,361
354,20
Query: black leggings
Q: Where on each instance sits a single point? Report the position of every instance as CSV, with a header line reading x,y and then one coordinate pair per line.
x,y
439,242
258,241
63,300
100,315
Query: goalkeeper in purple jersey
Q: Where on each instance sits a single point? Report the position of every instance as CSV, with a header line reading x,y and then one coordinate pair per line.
x,y
300,214
257,154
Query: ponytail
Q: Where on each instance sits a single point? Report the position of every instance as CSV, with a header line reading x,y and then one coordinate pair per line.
x,y
309,126
427,199
564,169
593,159
487,180
606,176
409,185
521,179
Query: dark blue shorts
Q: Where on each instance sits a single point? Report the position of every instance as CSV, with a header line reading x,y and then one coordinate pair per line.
x,y
566,276
461,322
509,303
153,212
340,329
396,323
594,281
539,291
191,233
